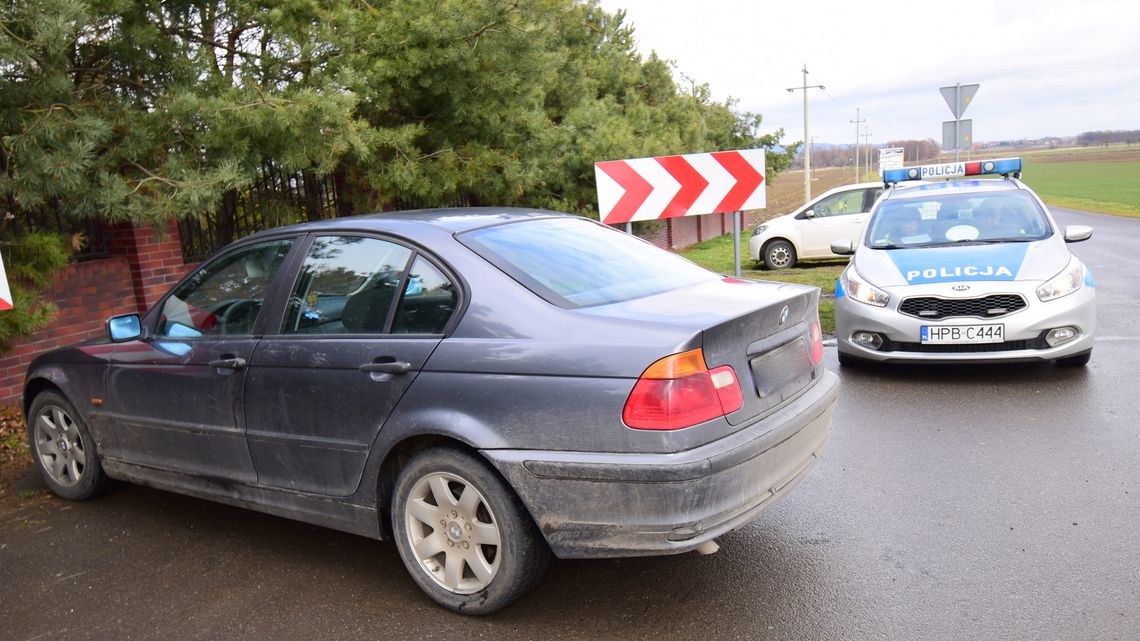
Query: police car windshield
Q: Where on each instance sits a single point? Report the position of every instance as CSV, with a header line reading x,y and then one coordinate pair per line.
x,y
942,218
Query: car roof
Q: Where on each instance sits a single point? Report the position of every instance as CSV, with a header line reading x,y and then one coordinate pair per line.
x,y
928,190
878,184
453,220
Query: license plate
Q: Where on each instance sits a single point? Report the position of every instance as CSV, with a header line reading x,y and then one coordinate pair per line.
x,y
962,334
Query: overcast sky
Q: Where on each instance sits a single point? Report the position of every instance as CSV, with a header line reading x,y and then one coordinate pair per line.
x,y
1046,67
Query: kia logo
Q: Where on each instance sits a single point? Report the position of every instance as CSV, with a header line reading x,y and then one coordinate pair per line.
x,y
960,288
783,315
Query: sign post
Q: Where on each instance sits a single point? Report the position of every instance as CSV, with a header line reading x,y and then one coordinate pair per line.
x,y
890,158
958,98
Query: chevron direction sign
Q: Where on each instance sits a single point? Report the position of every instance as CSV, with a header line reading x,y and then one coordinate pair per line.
x,y
672,186
5,292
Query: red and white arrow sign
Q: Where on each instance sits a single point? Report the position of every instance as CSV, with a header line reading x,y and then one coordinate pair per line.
x,y
672,186
5,293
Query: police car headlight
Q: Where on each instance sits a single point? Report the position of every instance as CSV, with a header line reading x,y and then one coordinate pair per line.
x,y
759,230
858,288
1068,281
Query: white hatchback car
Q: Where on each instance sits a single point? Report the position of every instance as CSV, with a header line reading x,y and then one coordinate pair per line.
x,y
807,232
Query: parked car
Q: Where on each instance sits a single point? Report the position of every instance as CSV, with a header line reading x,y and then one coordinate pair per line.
x,y
806,233
964,271
486,387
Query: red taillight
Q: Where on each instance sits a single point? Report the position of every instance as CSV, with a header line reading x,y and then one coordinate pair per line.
x,y
680,391
816,344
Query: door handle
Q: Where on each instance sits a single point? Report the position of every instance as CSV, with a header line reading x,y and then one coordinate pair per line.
x,y
391,367
228,363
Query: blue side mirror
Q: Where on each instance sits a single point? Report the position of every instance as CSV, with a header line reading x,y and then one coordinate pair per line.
x,y
124,328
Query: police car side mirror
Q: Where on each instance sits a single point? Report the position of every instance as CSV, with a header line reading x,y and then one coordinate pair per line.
x,y
1077,233
842,247
809,213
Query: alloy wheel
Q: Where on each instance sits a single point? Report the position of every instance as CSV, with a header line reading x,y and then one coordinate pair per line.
x,y
453,532
59,446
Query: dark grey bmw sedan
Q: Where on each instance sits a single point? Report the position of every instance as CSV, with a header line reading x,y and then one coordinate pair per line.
x,y
487,387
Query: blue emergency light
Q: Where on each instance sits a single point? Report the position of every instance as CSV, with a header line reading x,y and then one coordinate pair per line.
x,y
1002,166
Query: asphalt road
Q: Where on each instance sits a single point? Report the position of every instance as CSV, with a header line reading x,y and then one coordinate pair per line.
x,y
952,503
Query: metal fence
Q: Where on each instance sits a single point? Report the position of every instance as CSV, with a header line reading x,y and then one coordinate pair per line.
x,y
276,198
91,234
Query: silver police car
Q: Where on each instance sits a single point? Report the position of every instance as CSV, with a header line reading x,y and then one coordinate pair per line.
x,y
964,270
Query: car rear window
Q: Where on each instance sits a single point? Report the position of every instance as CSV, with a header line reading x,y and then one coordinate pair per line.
x,y
578,263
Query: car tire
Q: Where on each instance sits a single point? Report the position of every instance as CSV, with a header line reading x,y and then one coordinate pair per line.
x,y
1079,360
463,535
63,449
779,254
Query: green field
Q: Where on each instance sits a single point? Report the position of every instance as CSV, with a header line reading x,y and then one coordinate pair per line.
x,y
716,254
1108,187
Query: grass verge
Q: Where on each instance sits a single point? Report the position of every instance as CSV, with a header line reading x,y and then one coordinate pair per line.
x,y
716,254
1108,187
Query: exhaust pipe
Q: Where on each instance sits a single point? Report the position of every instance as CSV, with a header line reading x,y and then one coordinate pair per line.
x,y
708,547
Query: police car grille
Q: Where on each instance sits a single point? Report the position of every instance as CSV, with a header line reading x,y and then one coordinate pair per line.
x,y
1008,346
931,308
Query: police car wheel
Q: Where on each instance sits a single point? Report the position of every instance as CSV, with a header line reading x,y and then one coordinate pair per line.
x,y
1080,360
779,254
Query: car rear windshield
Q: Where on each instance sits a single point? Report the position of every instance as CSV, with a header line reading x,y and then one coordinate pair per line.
x,y
941,218
578,263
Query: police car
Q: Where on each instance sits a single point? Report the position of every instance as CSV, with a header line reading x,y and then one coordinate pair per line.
x,y
964,270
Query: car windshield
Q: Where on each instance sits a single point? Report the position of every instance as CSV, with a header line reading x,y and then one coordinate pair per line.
x,y
578,263
941,218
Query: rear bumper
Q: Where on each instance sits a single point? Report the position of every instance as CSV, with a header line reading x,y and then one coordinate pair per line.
x,y
613,505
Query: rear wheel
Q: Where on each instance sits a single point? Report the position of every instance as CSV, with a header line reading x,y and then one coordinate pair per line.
x,y
462,533
1079,360
779,254
63,448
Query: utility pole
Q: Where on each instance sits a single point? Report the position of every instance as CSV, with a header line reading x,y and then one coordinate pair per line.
x,y
807,139
867,144
857,122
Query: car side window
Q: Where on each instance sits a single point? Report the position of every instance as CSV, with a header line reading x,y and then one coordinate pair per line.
x,y
429,300
845,202
224,296
870,196
347,285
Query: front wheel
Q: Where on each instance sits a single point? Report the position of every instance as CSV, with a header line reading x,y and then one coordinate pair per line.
x,y
779,254
463,534
63,448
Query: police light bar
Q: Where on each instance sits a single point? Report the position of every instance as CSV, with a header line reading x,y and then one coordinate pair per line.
x,y
1003,166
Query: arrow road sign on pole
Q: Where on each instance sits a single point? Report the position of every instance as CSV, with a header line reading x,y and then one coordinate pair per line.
x,y
5,292
673,186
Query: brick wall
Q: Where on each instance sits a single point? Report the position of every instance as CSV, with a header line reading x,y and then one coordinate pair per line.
x,y
679,233
141,265
155,258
